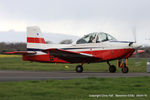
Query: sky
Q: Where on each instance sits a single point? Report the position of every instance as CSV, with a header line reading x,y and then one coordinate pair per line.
x,y
79,17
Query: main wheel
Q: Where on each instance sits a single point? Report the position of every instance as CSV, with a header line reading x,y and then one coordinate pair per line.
x,y
112,69
125,69
79,69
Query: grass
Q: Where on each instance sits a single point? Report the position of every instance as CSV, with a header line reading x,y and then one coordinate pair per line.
x,y
76,89
8,56
16,63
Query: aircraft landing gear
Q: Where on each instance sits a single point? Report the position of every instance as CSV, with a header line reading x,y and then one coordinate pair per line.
x,y
79,69
123,65
112,68
125,69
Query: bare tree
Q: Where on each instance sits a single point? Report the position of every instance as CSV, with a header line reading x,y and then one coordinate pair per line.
x,y
67,41
49,42
5,47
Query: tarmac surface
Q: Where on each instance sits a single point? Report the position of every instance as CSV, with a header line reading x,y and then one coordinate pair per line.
x,y
60,75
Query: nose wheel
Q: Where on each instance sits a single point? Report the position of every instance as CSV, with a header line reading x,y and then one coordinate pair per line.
x,y
125,69
123,65
79,69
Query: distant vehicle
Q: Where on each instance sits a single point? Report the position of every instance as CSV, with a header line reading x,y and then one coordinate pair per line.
x,y
91,48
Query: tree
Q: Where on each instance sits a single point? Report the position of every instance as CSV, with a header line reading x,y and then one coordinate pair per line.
x,y
49,42
6,47
67,41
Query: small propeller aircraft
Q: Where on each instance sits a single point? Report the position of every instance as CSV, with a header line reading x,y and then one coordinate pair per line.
x,y
91,48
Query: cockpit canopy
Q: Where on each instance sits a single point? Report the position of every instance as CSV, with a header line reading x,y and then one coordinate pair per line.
x,y
95,37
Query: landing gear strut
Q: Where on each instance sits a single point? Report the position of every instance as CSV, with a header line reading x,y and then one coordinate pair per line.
x,y
112,68
79,69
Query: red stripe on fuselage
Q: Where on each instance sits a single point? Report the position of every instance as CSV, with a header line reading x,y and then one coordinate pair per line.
x,y
35,40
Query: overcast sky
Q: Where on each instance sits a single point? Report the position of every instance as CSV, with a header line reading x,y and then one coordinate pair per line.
x,y
79,17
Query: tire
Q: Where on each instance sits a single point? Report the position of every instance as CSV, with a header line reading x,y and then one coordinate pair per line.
x,y
125,70
112,69
79,69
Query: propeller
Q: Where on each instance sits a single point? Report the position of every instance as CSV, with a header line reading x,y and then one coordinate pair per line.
x,y
134,34
135,46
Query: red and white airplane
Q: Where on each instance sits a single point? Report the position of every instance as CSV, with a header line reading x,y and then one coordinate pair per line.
x,y
92,48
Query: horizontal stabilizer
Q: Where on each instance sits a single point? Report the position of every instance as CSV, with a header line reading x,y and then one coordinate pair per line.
x,y
20,52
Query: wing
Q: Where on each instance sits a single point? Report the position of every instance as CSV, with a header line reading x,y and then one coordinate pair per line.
x,y
70,56
21,52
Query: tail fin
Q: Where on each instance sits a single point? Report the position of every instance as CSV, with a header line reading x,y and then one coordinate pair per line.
x,y
35,40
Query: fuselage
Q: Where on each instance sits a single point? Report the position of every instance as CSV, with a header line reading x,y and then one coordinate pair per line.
x,y
105,51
